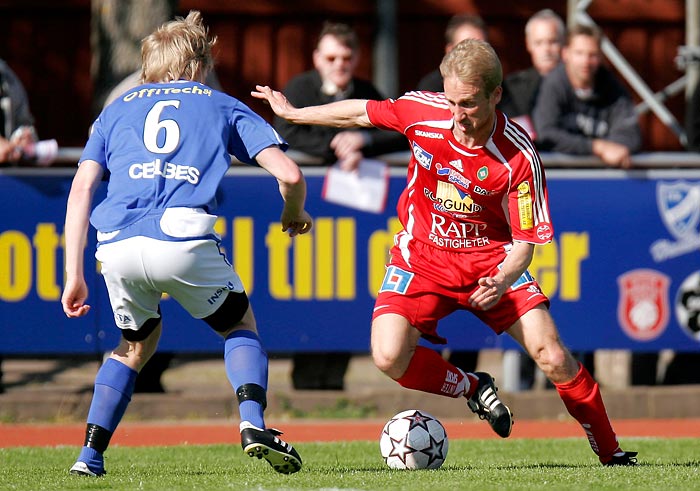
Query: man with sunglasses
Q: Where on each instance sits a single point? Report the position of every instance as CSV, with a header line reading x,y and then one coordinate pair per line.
x,y
335,59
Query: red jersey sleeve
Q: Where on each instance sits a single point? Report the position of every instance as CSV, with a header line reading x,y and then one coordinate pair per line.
x,y
399,114
383,114
528,205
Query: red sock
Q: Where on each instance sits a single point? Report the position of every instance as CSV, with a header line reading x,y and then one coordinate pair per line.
x,y
429,372
582,399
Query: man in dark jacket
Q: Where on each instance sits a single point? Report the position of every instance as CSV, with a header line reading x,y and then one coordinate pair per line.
x,y
544,38
335,59
16,121
582,109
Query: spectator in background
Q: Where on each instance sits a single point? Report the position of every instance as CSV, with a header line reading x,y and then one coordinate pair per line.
x,y
332,79
544,38
335,60
17,133
582,109
459,28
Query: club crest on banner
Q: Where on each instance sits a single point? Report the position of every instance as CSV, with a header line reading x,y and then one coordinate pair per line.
x,y
643,307
679,206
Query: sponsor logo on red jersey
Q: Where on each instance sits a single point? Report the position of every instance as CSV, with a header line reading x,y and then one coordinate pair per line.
x,y
430,134
643,307
424,158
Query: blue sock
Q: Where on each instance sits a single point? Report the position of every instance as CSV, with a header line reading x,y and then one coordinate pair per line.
x,y
246,363
94,459
114,385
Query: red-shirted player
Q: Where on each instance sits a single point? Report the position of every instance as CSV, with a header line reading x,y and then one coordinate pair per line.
x,y
474,208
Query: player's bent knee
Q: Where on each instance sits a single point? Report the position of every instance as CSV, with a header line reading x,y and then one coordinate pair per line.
x,y
559,358
388,364
552,361
230,313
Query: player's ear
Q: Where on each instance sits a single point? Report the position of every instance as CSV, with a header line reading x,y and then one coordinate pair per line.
x,y
497,94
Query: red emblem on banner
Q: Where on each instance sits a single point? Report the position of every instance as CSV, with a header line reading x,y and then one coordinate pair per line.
x,y
643,308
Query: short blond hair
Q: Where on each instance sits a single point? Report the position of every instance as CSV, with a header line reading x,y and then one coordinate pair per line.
x,y
179,49
474,62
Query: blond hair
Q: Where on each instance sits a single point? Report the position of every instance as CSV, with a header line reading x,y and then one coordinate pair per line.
x,y
475,62
179,49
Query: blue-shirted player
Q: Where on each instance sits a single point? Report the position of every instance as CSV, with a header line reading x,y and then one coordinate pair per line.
x,y
165,146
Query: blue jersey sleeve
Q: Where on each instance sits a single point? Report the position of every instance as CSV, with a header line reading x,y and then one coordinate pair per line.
x,y
252,135
95,148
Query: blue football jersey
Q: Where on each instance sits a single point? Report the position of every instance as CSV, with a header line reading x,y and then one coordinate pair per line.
x,y
168,145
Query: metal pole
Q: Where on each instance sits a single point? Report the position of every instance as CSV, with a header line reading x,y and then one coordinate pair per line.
x,y
573,8
692,41
670,90
385,53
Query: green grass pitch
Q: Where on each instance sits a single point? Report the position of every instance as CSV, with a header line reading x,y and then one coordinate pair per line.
x,y
520,464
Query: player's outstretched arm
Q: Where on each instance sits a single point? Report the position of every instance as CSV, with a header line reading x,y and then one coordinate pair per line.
x,y
350,113
85,182
292,185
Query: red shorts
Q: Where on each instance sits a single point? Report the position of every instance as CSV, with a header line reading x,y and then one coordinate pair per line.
x,y
433,283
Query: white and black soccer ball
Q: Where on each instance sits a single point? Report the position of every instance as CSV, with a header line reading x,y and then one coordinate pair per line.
x,y
413,439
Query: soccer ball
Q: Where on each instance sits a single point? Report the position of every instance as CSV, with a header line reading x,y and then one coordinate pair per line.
x,y
413,439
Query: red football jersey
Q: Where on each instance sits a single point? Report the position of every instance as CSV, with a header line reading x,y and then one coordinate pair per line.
x,y
463,199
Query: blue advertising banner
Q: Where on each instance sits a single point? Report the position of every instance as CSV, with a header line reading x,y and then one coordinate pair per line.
x,y
622,273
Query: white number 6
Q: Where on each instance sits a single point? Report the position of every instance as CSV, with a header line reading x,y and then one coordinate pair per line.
x,y
154,124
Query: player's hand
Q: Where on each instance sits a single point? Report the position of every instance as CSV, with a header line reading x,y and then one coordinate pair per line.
x,y
300,224
277,101
488,294
73,299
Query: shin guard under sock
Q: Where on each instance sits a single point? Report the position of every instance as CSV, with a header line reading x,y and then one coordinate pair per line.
x,y
246,367
429,372
582,399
